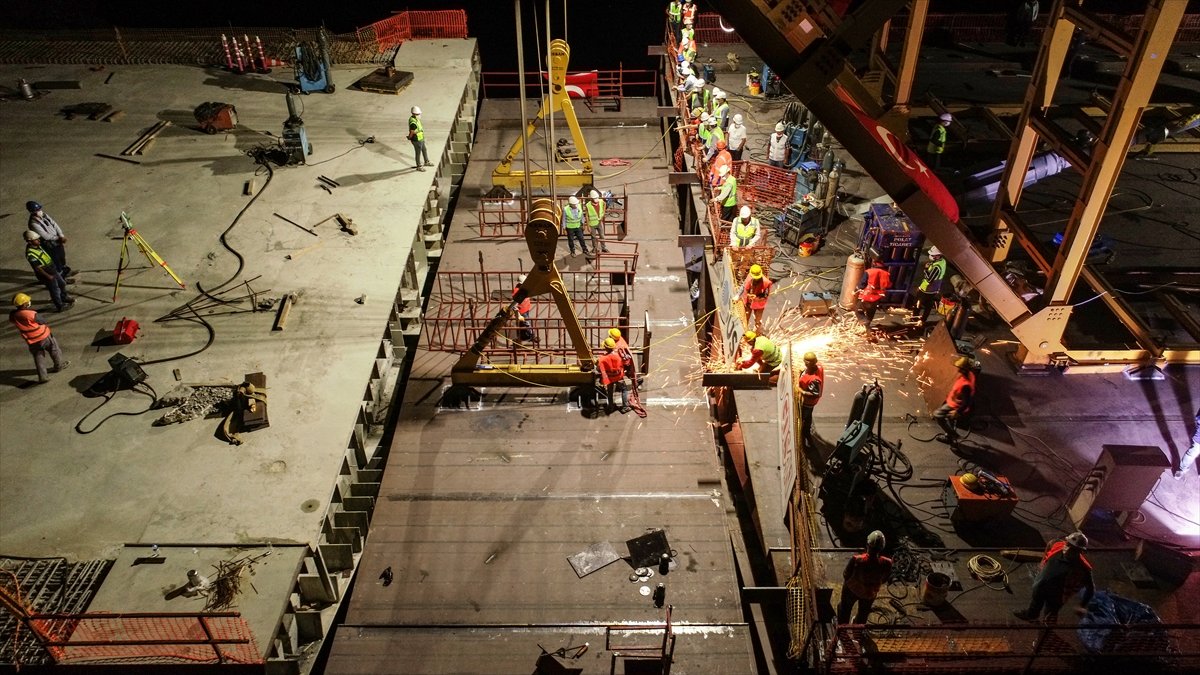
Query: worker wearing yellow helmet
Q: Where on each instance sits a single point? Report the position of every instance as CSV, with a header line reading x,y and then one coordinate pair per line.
x,y
623,349
755,292
612,376
765,356
36,333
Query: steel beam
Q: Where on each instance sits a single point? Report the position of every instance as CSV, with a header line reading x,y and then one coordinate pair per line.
x,y
737,380
907,72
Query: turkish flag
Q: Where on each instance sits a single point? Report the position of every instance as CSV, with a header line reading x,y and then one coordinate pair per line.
x,y
904,156
581,85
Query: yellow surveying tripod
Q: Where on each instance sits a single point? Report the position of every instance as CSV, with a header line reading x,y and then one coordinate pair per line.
x,y
146,249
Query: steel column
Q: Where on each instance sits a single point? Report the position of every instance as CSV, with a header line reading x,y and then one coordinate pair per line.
x,y
914,32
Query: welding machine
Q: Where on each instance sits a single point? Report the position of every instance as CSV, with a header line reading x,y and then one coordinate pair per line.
x,y
295,138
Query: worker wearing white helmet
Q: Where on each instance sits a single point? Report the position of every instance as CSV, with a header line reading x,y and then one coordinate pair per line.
x,y
929,290
572,220
721,109
937,139
43,266
778,147
704,129
736,137
745,230
864,576
416,134
726,193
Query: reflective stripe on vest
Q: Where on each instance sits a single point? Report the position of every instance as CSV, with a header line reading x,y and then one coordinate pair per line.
x,y
38,257
935,271
771,355
730,184
595,214
572,217
676,11
745,231
26,322
414,124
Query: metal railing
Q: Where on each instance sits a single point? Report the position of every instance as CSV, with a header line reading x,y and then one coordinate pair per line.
x,y
502,218
607,84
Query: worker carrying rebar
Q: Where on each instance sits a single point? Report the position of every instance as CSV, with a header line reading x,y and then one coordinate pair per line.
x,y
958,403
765,356
745,232
1064,572
612,376
864,576
727,193
755,292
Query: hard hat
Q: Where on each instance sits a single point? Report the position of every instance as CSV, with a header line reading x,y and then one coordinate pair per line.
x,y
717,93
33,206
723,171
945,118
876,541
756,271
737,119
30,235
745,212
779,127
810,357
969,480
416,110
962,363
750,336
721,144
933,250
610,343
712,120
614,333
1077,540
703,116
685,64
21,299
573,201
594,194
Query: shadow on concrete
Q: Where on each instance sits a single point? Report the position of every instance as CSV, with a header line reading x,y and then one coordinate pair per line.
x,y
219,77
353,179
999,533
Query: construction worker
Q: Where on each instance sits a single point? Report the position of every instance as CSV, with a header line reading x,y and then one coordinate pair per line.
x,y
703,129
721,109
701,98
524,329
736,137
878,281
624,350
53,239
778,147
1064,572
864,575
812,384
595,220
1189,458
929,291
718,160
745,232
572,219
715,135
47,273
675,17
726,194
37,335
612,376
958,403
416,134
689,13
937,139
765,356
755,292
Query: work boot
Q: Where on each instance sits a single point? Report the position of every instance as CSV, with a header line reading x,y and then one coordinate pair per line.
x,y
947,439
60,367
428,163
420,168
1023,614
625,409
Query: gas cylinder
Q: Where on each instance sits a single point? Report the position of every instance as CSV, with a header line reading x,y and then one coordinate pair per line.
x,y
854,271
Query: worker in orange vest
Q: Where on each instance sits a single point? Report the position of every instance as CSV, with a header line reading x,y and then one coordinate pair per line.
x,y
812,385
36,333
877,283
864,575
624,350
722,158
755,292
1064,572
958,402
612,376
524,329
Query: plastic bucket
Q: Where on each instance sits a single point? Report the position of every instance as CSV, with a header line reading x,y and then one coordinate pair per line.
x,y
933,592
755,89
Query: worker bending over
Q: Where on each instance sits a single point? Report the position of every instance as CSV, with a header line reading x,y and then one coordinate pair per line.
x,y
765,356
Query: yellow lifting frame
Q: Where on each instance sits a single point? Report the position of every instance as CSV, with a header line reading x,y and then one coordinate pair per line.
x,y
555,100
541,234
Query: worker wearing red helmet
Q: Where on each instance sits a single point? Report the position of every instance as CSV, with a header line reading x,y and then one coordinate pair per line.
x,y
1064,572
864,576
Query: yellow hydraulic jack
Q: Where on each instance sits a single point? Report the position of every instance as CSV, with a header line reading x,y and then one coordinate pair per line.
x,y
541,234
555,100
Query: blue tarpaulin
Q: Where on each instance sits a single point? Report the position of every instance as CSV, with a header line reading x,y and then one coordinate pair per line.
x,y
1098,635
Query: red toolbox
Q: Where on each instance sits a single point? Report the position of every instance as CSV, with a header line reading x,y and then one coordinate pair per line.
x,y
125,332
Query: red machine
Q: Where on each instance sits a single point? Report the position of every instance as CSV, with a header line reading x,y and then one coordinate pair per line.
x,y
215,116
125,332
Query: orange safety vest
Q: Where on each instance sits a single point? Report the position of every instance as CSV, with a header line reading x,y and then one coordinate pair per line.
x,y
807,380
612,370
962,394
865,576
722,158
26,322
1077,577
525,305
878,281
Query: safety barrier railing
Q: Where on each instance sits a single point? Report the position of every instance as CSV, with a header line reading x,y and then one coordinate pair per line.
x,y
149,637
766,185
623,83
1017,648
501,218
711,29
413,25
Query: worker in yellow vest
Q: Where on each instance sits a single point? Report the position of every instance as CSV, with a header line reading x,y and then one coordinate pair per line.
x,y
937,139
745,231
727,193
721,109
675,17
416,134
36,333
572,219
595,219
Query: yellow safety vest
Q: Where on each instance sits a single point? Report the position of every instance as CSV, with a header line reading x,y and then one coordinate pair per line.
x,y
415,126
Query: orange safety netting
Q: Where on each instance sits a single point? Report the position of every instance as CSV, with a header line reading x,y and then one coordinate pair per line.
x,y
148,638
765,185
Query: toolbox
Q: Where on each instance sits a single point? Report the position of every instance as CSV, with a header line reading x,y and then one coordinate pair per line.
x,y
125,332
